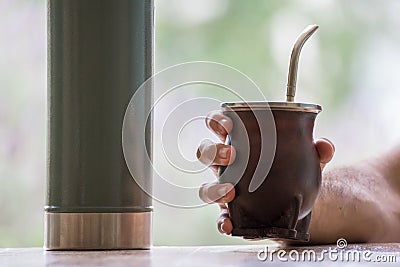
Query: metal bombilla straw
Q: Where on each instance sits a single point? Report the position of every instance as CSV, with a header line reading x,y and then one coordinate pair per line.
x,y
294,61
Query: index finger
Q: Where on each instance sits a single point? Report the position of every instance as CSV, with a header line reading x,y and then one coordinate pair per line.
x,y
220,124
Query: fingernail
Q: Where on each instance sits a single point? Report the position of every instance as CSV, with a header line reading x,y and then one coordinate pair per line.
x,y
220,129
330,142
222,227
223,152
222,191
223,122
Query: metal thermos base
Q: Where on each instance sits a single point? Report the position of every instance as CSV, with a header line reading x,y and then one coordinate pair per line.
x,y
97,231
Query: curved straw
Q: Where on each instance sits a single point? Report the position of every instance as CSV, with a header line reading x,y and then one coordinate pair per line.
x,y
294,61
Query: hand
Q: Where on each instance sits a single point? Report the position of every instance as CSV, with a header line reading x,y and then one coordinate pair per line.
x,y
214,155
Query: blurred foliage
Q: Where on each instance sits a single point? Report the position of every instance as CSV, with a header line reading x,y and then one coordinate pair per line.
x,y
241,37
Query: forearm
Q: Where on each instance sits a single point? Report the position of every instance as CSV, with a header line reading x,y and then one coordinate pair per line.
x,y
357,203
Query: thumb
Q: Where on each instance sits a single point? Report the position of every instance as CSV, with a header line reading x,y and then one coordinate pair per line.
x,y
325,149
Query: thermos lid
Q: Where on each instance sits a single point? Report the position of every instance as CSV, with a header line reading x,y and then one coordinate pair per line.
x,y
264,105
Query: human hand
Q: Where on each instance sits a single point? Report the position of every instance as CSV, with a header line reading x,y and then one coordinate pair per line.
x,y
218,154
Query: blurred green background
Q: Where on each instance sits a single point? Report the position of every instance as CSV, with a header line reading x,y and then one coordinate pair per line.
x,y
350,67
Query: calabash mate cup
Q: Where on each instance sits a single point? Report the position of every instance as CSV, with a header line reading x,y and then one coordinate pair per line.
x,y
276,173
281,205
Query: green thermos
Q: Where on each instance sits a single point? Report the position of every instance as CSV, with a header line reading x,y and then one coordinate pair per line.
x,y
99,53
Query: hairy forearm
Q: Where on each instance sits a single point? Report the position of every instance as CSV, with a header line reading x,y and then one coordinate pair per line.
x,y
358,203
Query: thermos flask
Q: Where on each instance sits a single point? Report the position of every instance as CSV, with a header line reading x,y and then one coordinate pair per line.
x,y
99,53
